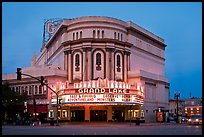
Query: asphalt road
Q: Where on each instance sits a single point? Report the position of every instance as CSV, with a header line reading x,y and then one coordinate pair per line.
x,y
104,129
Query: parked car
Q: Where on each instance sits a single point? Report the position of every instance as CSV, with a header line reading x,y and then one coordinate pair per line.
x,y
183,118
195,119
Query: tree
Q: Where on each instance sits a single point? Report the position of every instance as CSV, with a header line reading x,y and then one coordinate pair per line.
x,y
12,102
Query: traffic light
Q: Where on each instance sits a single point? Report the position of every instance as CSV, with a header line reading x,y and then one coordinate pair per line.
x,y
42,80
60,101
19,70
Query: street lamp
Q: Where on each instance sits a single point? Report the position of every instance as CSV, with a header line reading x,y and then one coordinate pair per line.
x,y
176,96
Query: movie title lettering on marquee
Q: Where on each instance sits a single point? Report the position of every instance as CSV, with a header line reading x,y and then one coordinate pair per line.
x,y
102,90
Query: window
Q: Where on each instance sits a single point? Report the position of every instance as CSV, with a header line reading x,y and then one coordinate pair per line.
x,y
80,34
51,114
102,34
121,36
30,90
114,35
77,62
64,113
22,90
44,89
40,89
26,90
142,113
133,113
59,113
98,34
36,89
118,36
73,35
94,33
118,63
98,61
77,35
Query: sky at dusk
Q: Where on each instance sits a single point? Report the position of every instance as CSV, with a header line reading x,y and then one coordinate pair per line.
x,y
178,23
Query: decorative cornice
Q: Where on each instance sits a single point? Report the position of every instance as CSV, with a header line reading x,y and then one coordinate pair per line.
x,y
97,40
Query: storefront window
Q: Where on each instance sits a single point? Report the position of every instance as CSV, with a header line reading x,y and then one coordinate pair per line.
x,y
64,113
133,113
51,114
142,113
59,114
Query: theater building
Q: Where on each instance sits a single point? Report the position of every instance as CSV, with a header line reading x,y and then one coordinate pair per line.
x,y
103,69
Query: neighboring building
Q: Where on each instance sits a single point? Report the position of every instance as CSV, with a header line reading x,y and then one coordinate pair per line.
x,y
193,106
173,107
106,69
187,107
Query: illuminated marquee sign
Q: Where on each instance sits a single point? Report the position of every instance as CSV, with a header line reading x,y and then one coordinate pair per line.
x,y
102,90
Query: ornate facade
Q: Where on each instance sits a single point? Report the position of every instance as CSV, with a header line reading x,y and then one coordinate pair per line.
x,y
89,48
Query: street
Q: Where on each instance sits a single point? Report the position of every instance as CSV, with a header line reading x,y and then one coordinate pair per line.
x,y
104,129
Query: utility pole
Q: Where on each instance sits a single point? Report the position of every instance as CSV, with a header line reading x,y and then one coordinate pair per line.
x,y
176,96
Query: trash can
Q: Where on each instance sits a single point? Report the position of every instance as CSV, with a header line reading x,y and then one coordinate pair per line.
x,y
137,121
52,122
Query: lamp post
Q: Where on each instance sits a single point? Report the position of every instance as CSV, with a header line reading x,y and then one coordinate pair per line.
x,y
56,93
176,96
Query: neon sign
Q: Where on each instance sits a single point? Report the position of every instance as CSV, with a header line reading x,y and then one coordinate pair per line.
x,y
101,91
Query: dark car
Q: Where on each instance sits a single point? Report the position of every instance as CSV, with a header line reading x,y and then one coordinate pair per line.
x,y
183,119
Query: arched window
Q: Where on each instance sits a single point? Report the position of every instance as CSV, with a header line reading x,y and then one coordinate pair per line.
x,y
94,33
98,34
121,37
73,35
80,34
77,35
98,61
102,34
118,63
115,35
118,36
77,62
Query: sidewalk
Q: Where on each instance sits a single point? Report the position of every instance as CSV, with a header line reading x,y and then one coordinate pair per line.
x,y
108,124
100,124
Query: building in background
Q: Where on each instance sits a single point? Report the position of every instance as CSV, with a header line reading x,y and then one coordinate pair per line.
x,y
173,107
104,68
187,107
193,106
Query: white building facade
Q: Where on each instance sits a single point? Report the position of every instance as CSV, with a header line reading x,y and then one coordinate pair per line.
x,y
100,49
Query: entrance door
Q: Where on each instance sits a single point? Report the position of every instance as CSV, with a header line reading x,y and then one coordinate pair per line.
x,y
98,115
118,115
77,115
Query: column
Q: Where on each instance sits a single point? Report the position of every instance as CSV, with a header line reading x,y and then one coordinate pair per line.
x,y
55,113
107,63
65,60
89,64
69,66
112,65
128,56
109,116
125,66
68,113
87,113
84,64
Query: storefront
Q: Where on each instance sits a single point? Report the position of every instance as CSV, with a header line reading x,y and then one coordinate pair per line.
x,y
97,100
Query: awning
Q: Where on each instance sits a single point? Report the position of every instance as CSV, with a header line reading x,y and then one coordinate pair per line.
x,y
39,108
